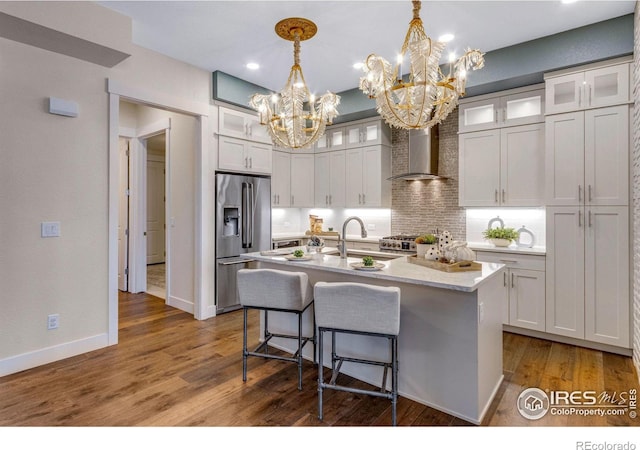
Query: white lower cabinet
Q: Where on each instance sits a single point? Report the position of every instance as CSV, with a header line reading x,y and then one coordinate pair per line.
x,y
588,273
524,282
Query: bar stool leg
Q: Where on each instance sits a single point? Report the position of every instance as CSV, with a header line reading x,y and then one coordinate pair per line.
x,y
394,379
244,346
320,374
300,351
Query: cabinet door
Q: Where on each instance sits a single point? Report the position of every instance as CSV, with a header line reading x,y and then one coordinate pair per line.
x,y
337,179
367,133
479,115
564,159
232,154
256,131
332,139
564,93
607,156
607,299
607,86
322,168
372,176
565,274
523,108
281,180
479,165
258,157
522,165
527,299
302,180
353,181
232,123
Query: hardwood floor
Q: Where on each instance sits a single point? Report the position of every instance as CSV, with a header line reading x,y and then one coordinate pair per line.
x,y
171,370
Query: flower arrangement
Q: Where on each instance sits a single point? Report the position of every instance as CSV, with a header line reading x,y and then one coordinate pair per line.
x,y
500,233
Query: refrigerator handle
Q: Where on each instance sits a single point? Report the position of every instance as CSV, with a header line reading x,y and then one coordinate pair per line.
x,y
247,215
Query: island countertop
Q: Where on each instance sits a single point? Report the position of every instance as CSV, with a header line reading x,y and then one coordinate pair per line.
x,y
396,270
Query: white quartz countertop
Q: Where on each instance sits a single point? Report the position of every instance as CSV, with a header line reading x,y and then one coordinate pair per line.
x,y
396,270
486,247
302,235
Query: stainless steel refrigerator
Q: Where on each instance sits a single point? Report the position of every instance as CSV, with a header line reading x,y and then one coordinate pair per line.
x,y
243,225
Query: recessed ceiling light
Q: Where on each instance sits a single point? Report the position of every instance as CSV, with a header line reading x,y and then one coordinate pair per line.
x,y
253,66
358,65
446,37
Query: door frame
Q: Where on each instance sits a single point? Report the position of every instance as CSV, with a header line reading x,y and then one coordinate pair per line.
x,y
204,197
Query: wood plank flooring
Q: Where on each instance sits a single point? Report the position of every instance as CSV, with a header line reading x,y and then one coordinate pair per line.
x,y
171,370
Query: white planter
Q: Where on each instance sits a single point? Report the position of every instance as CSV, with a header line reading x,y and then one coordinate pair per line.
x,y
501,242
421,249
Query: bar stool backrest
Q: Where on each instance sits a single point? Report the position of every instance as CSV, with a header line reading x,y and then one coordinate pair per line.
x,y
357,307
270,288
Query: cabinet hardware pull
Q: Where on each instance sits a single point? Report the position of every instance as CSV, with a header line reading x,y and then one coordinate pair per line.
x,y
363,200
330,199
503,196
579,96
250,163
589,192
513,283
579,192
495,195
512,261
326,199
589,101
579,219
504,279
589,218
496,116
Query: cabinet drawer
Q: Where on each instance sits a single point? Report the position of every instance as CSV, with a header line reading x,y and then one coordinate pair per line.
x,y
513,261
356,245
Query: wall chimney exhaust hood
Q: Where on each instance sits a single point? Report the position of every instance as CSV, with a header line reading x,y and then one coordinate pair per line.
x,y
423,156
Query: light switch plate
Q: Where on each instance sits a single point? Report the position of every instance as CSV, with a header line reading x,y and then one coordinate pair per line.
x,y
50,229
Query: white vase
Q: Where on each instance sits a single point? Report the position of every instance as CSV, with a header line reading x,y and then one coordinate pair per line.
x,y
432,253
421,249
501,242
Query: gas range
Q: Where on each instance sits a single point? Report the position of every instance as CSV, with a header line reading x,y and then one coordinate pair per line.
x,y
399,242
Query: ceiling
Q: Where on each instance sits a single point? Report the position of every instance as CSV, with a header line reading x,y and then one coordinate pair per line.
x,y
226,35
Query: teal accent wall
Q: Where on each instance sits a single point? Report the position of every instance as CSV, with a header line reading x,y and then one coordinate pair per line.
x,y
510,67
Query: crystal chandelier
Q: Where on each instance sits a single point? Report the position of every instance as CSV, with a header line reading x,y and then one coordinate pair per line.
x,y
428,96
294,117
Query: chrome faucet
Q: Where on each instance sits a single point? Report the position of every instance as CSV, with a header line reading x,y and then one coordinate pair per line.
x,y
342,243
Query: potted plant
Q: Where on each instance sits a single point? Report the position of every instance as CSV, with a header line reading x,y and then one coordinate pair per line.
x,y
423,243
367,261
500,237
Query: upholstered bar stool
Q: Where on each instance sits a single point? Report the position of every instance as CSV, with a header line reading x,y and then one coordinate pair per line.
x,y
358,309
275,290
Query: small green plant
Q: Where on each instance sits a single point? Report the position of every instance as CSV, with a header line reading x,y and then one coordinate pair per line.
x,y
298,253
367,261
426,239
509,234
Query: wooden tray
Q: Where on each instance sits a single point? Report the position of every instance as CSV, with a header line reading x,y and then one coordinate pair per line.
x,y
460,266
322,233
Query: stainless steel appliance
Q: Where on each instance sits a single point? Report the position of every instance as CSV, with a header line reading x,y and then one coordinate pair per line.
x,y
243,225
399,242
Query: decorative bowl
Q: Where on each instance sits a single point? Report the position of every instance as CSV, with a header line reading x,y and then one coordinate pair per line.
x,y
500,242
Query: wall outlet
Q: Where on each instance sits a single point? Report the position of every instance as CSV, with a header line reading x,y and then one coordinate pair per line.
x,y
50,229
371,226
481,312
53,320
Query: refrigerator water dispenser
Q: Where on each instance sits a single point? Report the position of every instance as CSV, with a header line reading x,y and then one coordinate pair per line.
x,y
230,227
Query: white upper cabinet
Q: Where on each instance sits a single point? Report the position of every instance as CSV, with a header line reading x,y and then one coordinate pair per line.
x,y
302,180
330,178
585,89
238,155
241,125
587,157
502,167
519,107
367,173
332,139
370,132
281,179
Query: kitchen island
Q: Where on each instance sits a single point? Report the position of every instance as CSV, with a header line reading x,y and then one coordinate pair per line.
x,y
450,342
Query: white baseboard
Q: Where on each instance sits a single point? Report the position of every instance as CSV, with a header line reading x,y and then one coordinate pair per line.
x,y
181,304
25,361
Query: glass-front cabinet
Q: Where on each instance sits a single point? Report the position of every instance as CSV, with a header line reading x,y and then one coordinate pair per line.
x,y
522,107
594,88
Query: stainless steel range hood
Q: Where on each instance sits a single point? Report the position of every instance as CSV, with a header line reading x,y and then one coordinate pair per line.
x,y
423,156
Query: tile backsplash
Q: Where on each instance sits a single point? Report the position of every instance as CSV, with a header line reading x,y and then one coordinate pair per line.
x,y
477,220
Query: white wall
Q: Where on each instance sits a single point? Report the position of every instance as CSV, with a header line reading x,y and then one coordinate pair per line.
x,y
55,168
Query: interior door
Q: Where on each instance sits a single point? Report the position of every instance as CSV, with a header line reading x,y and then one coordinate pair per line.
x,y
155,211
123,215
